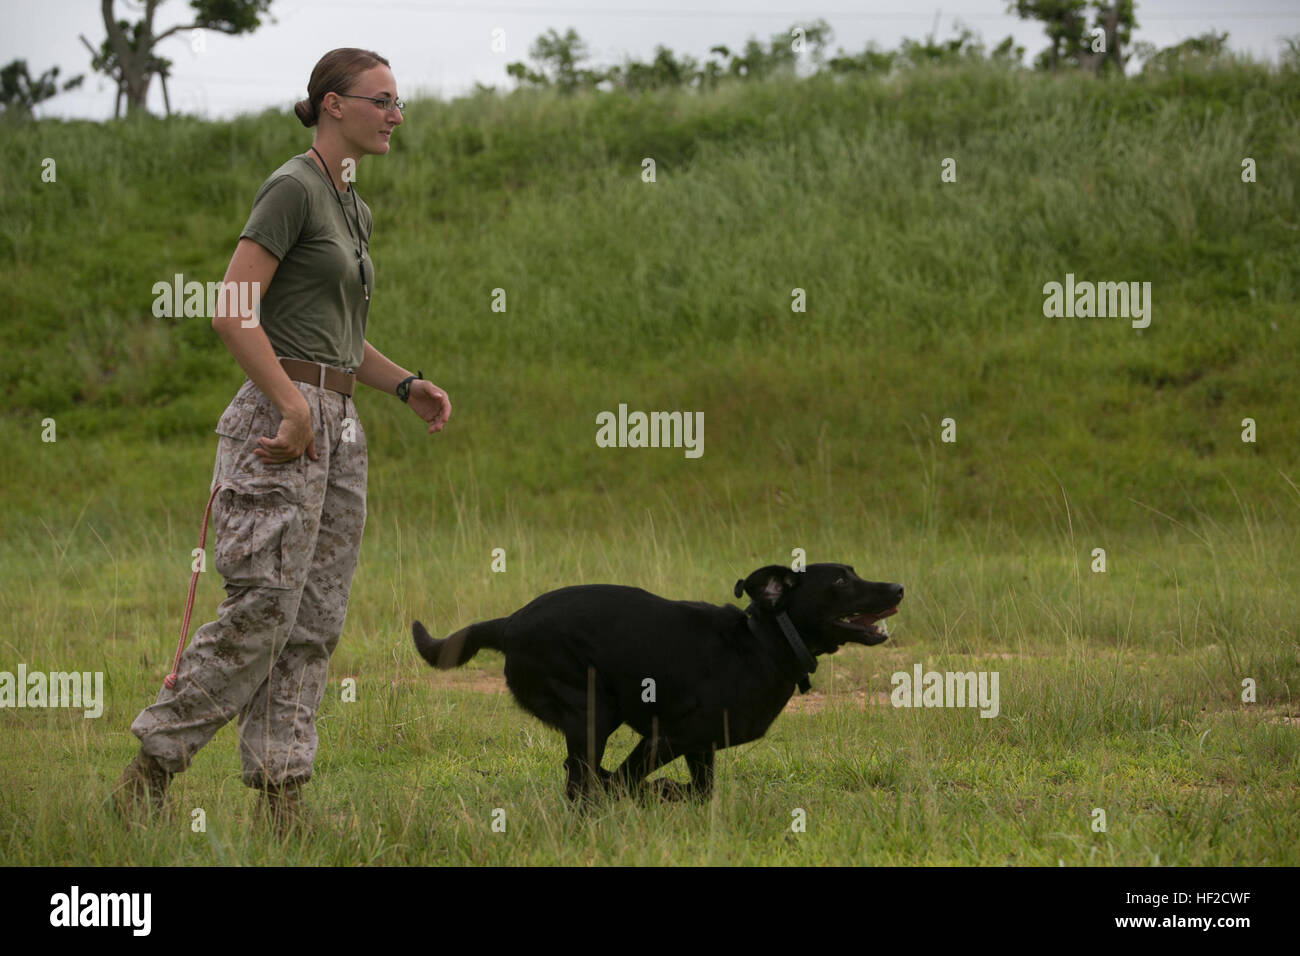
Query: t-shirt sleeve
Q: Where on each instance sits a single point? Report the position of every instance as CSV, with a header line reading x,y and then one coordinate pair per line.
x,y
279,212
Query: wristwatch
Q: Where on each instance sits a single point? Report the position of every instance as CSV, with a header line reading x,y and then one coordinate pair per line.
x,y
404,386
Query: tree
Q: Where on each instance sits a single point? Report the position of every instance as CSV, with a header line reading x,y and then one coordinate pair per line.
x,y
1290,59
127,53
664,71
558,57
713,70
1205,48
1072,42
966,46
871,60
19,93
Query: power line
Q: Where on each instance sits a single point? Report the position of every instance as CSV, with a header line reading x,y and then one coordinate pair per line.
x,y
794,15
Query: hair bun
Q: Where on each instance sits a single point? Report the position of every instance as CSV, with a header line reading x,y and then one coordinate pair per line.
x,y
306,115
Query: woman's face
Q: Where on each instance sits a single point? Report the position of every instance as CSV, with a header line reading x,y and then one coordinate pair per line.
x,y
366,126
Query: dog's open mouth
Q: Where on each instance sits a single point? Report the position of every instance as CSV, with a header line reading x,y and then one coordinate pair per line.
x,y
863,625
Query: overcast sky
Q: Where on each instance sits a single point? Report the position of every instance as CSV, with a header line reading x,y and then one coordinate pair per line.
x,y
442,48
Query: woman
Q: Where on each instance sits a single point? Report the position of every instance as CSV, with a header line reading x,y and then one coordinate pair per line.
x,y
290,473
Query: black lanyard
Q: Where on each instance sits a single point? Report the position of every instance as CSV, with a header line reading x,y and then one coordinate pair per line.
x,y
361,266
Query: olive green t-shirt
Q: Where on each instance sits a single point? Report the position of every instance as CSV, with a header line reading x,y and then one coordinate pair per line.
x,y
316,307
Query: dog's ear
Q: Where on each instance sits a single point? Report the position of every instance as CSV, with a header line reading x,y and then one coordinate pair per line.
x,y
769,586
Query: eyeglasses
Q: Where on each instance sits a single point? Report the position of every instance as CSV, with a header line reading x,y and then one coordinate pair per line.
x,y
385,103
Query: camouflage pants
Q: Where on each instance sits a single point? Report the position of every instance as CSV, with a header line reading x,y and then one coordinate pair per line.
x,y
286,539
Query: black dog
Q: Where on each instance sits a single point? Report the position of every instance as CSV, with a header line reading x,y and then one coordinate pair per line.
x,y
690,677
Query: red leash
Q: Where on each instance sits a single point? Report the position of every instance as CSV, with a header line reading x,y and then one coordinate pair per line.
x,y
170,680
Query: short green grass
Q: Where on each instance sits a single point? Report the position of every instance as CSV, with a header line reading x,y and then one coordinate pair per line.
x,y
1119,691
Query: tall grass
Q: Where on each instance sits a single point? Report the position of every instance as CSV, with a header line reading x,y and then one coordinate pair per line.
x,y
924,298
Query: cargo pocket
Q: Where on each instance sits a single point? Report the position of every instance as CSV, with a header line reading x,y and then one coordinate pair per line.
x,y
242,424
254,532
258,522
236,420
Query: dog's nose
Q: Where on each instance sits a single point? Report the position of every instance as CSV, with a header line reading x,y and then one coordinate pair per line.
x,y
897,592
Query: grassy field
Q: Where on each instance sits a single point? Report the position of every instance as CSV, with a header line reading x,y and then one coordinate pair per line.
x,y
1118,691
1121,691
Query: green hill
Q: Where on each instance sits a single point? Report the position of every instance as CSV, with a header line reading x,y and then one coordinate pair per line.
x,y
924,299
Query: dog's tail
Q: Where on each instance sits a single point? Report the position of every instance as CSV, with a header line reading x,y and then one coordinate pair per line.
x,y
459,647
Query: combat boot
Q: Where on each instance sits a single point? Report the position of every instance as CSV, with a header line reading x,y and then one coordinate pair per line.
x,y
141,790
282,804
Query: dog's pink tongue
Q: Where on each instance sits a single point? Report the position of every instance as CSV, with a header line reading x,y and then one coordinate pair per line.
x,y
867,620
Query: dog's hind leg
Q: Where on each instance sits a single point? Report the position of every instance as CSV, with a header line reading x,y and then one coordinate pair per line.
x,y
700,765
591,719
584,777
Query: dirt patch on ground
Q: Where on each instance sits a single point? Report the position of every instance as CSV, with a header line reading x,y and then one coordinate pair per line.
x,y
481,681
814,702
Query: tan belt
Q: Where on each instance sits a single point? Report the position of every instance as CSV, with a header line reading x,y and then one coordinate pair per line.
x,y
326,376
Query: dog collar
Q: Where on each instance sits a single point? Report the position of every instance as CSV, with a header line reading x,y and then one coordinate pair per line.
x,y
807,662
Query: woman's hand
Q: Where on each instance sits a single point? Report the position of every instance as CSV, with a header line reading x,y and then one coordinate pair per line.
x,y
430,403
426,399
292,438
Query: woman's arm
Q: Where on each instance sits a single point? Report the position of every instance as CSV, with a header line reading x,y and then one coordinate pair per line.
x,y
246,341
426,399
